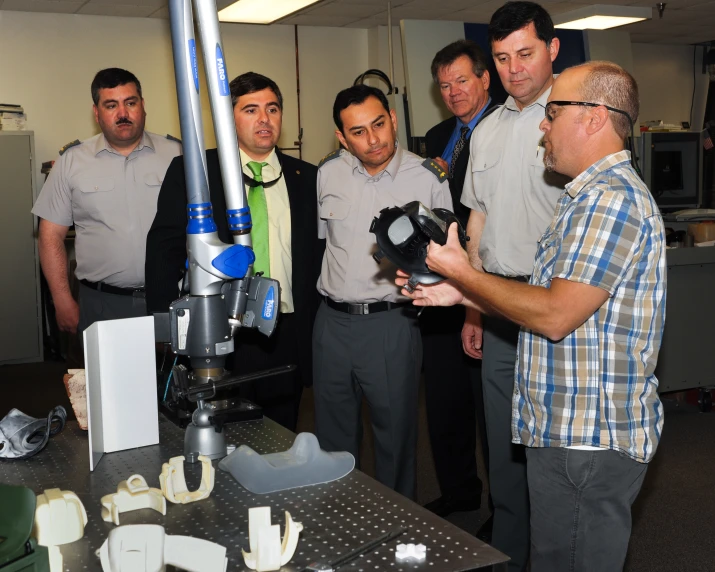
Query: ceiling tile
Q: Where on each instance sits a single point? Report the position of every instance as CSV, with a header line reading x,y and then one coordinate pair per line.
x,y
160,13
315,20
381,3
53,6
123,10
684,21
153,3
358,11
371,22
562,7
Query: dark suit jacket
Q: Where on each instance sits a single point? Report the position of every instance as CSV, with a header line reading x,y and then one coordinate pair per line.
x,y
166,255
436,140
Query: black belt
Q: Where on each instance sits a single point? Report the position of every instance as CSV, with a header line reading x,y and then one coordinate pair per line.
x,y
102,287
359,309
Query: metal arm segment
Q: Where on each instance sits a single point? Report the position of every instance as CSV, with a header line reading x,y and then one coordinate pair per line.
x,y
224,125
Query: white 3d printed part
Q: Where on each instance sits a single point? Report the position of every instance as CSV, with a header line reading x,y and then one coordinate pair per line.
x,y
410,551
59,518
132,494
55,558
173,481
147,548
267,552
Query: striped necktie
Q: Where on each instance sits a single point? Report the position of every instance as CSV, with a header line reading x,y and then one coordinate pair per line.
x,y
458,146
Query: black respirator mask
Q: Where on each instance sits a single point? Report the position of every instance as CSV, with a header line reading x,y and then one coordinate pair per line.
x,y
403,234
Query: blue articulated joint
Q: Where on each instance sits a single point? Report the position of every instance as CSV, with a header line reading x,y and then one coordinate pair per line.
x,y
234,261
201,220
239,219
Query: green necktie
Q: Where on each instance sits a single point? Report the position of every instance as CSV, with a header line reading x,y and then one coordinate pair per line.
x,y
259,216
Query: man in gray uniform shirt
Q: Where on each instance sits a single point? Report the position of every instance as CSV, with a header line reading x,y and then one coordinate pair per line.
x,y
366,340
512,198
107,186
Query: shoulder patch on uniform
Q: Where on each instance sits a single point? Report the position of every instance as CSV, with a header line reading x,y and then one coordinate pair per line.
x,y
69,146
329,157
432,166
172,138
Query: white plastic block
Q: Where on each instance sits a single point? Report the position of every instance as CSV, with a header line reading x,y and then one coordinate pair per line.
x,y
60,518
147,548
122,410
132,494
267,552
416,552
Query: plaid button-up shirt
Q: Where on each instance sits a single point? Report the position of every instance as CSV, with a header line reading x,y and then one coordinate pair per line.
x,y
596,386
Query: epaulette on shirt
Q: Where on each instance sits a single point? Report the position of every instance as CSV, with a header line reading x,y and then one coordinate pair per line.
x,y
172,138
69,146
435,169
329,157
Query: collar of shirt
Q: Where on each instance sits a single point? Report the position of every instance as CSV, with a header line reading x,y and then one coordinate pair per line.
x,y
510,102
101,144
473,123
392,167
608,162
270,171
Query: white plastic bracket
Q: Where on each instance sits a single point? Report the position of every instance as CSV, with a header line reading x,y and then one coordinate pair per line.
x,y
132,494
173,481
267,551
55,556
147,548
60,518
417,552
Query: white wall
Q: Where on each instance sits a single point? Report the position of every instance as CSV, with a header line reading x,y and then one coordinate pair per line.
x,y
421,40
330,60
665,81
49,61
379,56
610,45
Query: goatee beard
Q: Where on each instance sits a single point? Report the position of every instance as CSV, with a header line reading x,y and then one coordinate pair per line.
x,y
550,162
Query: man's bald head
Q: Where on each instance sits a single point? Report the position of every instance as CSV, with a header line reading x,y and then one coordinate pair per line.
x,y
610,84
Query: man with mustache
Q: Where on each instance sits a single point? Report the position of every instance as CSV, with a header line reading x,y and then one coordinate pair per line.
x,y
285,242
366,341
586,402
107,187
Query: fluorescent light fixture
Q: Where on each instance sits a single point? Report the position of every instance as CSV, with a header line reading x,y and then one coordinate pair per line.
x,y
261,11
602,17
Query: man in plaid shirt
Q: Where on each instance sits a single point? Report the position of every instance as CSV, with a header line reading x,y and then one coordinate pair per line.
x,y
585,399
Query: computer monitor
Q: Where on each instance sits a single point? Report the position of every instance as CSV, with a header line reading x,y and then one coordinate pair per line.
x,y
672,168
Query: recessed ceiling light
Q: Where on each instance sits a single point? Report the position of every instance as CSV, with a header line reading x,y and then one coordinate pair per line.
x,y
261,11
602,17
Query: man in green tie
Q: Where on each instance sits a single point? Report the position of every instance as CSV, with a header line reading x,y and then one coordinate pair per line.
x,y
281,194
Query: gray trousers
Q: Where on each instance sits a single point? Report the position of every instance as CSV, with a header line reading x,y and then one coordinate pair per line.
x,y
581,508
507,462
96,306
377,356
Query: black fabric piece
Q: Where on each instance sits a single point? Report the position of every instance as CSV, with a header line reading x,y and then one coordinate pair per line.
x,y
265,184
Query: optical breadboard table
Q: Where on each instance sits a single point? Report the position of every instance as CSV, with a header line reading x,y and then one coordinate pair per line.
x,y
337,517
